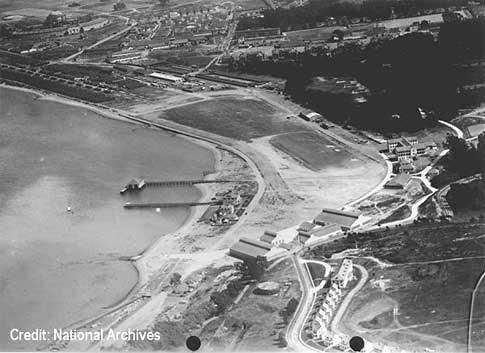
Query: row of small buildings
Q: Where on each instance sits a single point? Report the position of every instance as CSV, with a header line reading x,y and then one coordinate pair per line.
x,y
327,224
329,297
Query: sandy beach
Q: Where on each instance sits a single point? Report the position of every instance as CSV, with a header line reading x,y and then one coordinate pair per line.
x,y
285,196
205,189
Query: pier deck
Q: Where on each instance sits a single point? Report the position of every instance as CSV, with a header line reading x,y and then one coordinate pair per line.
x,y
169,204
139,185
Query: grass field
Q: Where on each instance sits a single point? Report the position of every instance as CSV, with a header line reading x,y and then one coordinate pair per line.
x,y
432,273
314,151
237,118
475,130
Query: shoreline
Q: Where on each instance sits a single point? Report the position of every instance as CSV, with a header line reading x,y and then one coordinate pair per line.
x,y
139,262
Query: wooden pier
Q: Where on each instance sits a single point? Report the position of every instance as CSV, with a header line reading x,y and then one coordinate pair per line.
x,y
139,184
169,204
184,182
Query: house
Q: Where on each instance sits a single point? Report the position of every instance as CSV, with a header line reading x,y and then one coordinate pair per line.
x,y
179,42
344,274
306,227
323,231
400,181
407,148
135,184
87,26
256,243
311,116
247,252
303,237
405,167
346,220
166,77
231,197
271,238
405,152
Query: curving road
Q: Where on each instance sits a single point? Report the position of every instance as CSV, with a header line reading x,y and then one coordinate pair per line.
x,y
455,129
307,300
364,275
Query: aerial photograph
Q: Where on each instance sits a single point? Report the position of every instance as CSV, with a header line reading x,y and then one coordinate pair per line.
x,y
242,175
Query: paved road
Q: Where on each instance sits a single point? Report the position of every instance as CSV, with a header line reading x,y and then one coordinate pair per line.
x,y
364,275
307,300
476,303
457,131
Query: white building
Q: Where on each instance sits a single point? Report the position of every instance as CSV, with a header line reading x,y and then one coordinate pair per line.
x,y
87,26
344,274
166,77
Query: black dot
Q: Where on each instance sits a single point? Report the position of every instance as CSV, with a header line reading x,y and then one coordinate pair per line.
x,y
193,343
356,343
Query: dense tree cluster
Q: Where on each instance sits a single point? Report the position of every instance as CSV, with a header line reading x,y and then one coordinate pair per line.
x,y
403,74
462,161
315,11
465,160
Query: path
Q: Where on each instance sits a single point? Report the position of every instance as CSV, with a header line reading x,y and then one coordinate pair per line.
x,y
75,55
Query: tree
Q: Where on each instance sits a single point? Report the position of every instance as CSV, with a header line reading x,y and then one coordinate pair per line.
x,y
463,159
222,300
164,2
338,35
256,268
175,280
119,6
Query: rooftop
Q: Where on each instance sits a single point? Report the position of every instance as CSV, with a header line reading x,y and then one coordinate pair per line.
x,y
325,230
257,243
306,226
248,249
342,218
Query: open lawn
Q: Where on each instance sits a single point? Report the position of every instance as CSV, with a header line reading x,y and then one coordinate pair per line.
x,y
313,150
475,130
237,118
470,125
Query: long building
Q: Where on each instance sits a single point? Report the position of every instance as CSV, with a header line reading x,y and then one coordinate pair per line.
x,y
246,252
166,77
247,249
257,33
346,220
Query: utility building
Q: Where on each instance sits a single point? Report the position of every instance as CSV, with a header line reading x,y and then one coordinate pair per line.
x,y
246,251
346,220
